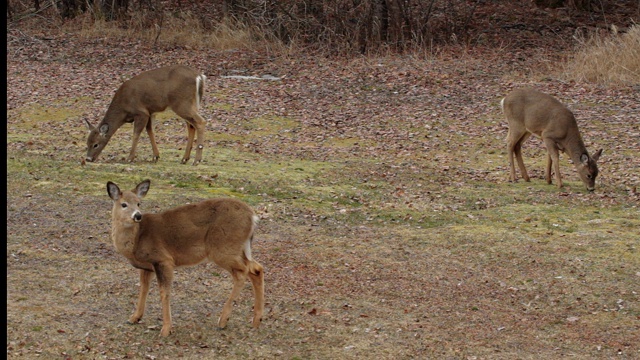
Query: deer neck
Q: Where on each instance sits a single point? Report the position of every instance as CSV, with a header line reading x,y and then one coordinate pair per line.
x,y
114,118
574,147
124,238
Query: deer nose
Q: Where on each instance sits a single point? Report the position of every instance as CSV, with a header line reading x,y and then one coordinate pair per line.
x,y
89,159
137,217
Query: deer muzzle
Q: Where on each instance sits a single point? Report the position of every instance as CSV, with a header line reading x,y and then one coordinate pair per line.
x,y
137,216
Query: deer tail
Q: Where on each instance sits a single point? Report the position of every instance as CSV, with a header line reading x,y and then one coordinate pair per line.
x,y
247,244
200,83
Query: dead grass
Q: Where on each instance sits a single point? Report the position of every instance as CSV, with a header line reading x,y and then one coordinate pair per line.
x,y
182,28
388,227
607,59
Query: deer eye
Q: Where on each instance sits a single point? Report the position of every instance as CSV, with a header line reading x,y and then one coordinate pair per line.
x,y
124,205
589,176
95,146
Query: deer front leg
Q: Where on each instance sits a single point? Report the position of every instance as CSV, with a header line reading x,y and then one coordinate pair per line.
x,y
164,273
556,167
553,157
139,123
152,138
145,278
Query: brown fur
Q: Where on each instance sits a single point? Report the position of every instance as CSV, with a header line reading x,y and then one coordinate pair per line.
x,y
529,111
218,230
139,98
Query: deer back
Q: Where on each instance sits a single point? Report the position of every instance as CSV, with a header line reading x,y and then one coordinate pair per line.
x,y
216,229
540,113
156,90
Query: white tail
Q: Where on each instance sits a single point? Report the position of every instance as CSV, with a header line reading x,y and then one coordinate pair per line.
x,y
529,111
177,87
218,230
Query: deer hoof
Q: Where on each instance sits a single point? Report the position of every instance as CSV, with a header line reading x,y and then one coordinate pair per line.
x,y
256,323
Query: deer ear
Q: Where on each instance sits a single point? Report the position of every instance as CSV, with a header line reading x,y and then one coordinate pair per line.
x,y
113,190
584,159
143,188
91,127
596,156
104,129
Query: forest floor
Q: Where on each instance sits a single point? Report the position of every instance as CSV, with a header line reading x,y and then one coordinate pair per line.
x,y
388,225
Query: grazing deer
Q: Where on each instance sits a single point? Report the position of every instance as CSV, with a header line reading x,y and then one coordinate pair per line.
x,y
218,230
529,111
137,100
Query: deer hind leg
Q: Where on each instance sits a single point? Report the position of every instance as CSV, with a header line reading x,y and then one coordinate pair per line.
x,y
514,148
547,173
197,124
510,150
152,139
191,134
139,123
239,278
256,275
164,274
145,278
518,151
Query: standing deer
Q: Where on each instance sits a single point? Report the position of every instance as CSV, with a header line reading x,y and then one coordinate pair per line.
x,y
218,230
137,100
529,111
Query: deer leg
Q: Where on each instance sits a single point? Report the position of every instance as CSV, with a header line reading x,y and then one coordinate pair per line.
x,y
197,124
139,123
515,147
547,173
239,278
553,156
256,275
164,273
200,128
145,278
191,133
523,170
510,150
152,138
556,168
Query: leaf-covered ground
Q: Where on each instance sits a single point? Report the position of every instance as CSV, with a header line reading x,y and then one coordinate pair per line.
x,y
388,228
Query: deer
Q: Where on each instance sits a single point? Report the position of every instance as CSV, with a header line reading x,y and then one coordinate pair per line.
x,y
177,87
219,230
529,111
